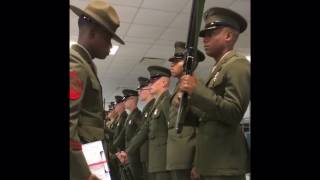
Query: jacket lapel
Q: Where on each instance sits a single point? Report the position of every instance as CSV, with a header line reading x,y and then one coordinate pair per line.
x,y
219,66
158,101
133,114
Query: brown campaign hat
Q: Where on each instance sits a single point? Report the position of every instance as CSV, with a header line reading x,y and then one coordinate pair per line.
x,y
103,13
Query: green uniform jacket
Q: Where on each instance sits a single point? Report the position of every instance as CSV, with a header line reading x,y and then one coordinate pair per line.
x,y
155,130
145,115
119,126
86,110
223,100
129,130
180,147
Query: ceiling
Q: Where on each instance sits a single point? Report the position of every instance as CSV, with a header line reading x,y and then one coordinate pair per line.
x,y
149,29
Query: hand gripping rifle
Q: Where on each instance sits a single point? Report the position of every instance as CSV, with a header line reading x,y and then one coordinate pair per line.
x,y
191,53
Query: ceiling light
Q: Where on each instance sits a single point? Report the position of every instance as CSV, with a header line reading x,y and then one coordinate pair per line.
x,y
114,50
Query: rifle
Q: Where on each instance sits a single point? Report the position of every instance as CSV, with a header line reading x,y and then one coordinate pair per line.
x,y
191,54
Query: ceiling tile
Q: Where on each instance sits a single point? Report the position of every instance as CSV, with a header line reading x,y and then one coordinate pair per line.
x,y
126,13
208,4
243,8
122,30
135,3
175,34
80,3
160,52
154,17
187,7
143,31
138,40
125,61
165,5
165,42
139,71
129,81
181,21
132,50
112,78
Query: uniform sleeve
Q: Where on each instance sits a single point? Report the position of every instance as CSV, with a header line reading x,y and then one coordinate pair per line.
x,y
78,80
230,107
137,141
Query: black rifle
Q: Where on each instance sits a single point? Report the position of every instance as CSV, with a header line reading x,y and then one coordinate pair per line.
x,y
191,54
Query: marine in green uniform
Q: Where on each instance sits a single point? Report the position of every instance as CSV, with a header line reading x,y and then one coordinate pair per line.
x,y
109,129
147,98
110,115
97,25
120,109
111,126
130,129
181,147
155,129
222,152
117,126
109,132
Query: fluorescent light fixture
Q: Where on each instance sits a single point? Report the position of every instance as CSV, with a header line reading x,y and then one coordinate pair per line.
x,y
72,42
249,58
114,50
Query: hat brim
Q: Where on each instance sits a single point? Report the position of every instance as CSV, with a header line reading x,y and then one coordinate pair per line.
x,y
79,12
203,32
132,95
200,57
